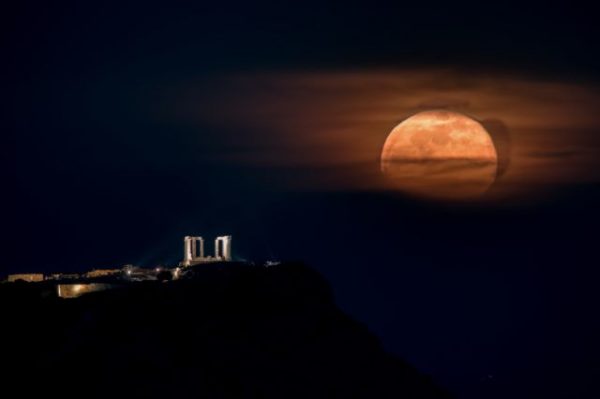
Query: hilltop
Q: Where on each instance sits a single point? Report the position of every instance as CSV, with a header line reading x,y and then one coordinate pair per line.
x,y
223,331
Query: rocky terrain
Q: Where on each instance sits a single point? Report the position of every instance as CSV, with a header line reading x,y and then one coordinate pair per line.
x,y
223,331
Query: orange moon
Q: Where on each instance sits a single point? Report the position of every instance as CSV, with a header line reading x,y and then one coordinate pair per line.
x,y
440,154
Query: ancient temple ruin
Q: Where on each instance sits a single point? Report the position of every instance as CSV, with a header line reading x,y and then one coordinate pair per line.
x,y
193,250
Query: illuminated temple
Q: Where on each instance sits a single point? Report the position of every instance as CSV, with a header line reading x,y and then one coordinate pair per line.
x,y
193,250
72,285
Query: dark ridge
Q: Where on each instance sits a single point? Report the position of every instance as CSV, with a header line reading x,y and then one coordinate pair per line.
x,y
224,331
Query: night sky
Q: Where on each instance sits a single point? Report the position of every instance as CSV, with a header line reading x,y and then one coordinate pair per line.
x,y
130,126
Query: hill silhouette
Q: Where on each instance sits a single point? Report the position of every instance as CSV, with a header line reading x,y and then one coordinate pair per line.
x,y
223,331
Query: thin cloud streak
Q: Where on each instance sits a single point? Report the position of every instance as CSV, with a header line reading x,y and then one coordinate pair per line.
x,y
306,120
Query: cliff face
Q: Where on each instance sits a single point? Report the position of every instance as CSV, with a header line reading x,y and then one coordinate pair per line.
x,y
225,331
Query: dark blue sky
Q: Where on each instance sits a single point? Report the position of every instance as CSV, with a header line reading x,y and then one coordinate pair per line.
x,y
493,301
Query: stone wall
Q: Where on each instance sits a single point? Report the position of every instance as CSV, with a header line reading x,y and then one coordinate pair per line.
x,y
102,272
29,277
75,290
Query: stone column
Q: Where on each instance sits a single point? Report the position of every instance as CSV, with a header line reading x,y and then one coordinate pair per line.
x,y
187,251
217,250
227,248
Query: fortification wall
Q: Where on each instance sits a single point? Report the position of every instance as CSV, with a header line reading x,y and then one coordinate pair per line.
x,y
75,290
102,272
29,277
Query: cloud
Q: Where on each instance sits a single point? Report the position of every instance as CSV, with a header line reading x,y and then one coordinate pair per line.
x,y
544,131
448,103
560,154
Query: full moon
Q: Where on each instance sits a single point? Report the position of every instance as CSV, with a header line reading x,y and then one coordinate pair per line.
x,y
440,154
